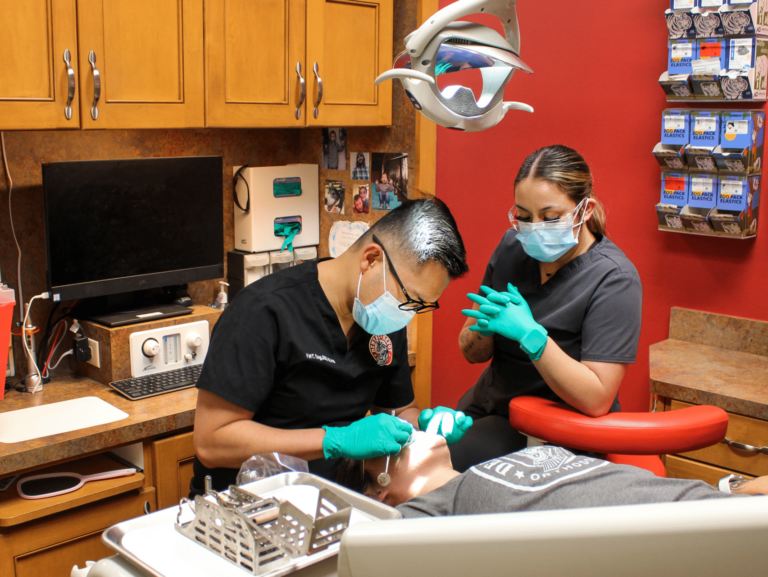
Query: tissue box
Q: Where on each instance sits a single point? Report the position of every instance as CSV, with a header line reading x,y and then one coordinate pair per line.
x,y
675,127
675,187
681,53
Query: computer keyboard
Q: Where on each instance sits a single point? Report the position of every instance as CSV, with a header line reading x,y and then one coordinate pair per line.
x,y
158,383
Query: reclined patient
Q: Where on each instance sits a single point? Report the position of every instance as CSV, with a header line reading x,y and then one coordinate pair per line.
x,y
424,484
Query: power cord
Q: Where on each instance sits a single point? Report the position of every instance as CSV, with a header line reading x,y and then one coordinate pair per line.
x,y
13,230
39,385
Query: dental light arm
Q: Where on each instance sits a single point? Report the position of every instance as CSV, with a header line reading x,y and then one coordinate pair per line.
x,y
444,45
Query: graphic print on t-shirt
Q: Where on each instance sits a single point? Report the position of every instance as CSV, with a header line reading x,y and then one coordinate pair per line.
x,y
536,468
381,349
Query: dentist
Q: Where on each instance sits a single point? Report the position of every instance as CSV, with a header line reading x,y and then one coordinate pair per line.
x,y
559,310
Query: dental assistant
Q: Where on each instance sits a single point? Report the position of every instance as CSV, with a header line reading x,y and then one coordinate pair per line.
x,y
559,310
300,356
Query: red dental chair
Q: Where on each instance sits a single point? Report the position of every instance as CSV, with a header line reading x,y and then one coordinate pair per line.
x,y
626,438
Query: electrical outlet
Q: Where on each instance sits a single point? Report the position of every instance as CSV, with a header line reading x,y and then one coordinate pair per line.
x,y
94,360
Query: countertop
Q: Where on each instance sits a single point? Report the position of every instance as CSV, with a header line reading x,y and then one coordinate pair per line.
x,y
147,418
701,374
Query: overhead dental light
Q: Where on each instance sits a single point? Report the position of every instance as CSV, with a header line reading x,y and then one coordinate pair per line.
x,y
443,45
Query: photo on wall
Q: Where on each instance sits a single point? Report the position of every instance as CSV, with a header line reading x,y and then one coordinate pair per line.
x,y
334,196
360,165
389,180
335,148
361,201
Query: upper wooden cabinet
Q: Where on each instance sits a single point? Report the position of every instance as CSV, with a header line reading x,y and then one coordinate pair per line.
x,y
144,61
35,85
261,59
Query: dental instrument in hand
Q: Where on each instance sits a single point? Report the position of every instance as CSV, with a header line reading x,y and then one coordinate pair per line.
x,y
384,479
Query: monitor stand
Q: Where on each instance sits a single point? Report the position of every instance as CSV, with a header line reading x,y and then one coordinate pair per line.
x,y
120,319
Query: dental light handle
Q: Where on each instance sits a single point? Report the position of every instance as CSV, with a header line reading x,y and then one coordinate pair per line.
x,y
404,73
517,106
504,10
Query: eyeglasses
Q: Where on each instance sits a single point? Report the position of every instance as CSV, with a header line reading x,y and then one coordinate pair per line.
x,y
411,305
564,222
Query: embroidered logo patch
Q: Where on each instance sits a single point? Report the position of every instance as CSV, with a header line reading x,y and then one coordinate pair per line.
x,y
381,349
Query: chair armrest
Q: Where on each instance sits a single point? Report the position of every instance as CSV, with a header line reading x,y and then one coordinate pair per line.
x,y
627,433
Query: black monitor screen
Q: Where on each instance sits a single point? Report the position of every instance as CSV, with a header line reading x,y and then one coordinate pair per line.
x,y
123,225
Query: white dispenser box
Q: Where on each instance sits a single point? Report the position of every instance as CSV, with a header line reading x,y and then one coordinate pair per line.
x,y
278,194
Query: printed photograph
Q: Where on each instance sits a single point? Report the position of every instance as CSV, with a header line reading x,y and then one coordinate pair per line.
x,y
389,180
360,165
334,196
335,148
361,202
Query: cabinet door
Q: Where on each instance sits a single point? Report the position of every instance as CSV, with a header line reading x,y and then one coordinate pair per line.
x,y
34,80
350,43
147,64
172,460
252,50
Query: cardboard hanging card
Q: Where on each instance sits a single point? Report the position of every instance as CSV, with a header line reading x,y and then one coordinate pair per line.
x,y
704,189
708,24
696,220
676,87
670,157
681,53
675,188
675,127
745,17
680,24
669,217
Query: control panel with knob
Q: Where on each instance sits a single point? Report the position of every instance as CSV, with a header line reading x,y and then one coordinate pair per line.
x,y
168,348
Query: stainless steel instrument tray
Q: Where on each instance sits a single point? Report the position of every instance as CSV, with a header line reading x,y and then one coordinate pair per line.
x,y
131,539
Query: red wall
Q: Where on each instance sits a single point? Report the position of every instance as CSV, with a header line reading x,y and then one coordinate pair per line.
x,y
595,88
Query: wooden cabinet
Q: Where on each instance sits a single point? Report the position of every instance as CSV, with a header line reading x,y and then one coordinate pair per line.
x,y
172,463
261,59
144,61
350,44
34,78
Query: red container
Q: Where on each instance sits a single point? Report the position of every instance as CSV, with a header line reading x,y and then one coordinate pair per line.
x,y
6,316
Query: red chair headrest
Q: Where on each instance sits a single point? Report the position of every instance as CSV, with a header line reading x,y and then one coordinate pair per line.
x,y
628,433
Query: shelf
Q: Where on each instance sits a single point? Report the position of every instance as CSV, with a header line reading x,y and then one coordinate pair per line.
x,y
720,100
729,236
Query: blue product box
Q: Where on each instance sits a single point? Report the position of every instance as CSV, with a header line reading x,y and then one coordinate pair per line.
x,y
741,53
713,49
676,127
682,4
733,193
736,127
682,52
675,188
705,128
703,190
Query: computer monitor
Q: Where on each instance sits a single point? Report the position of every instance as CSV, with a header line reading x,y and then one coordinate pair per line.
x,y
119,226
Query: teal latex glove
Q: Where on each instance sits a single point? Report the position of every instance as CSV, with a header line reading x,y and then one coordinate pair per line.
x,y
367,438
288,230
446,422
507,314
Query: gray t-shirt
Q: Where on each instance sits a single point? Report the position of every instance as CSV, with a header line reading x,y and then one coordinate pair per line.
x,y
549,478
591,308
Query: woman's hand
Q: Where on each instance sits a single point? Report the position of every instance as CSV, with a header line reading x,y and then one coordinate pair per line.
x,y
507,314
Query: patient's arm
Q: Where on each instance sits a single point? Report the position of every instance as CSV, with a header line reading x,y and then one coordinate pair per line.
x,y
758,486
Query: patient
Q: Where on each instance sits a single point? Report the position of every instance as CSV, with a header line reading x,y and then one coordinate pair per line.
x,y
424,484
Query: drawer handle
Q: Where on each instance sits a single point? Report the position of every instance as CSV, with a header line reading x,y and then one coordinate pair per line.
x,y
744,446
147,509
303,91
316,69
96,86
70,85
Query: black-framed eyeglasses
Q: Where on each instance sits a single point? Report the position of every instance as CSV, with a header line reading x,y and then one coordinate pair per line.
x,y
411,305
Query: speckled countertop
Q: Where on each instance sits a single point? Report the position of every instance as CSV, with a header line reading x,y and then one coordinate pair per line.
x,y
148,418
705,375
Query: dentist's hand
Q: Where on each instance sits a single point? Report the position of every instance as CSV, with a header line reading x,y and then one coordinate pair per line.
x,y
507,314
446,422
374,436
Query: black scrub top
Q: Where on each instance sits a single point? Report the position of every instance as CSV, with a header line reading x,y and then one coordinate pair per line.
x,y
278,350
591,308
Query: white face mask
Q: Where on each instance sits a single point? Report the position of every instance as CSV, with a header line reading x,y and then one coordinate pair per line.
x,y
383,316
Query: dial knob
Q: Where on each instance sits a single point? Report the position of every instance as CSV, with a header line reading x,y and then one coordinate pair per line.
x,y
194,340
189,357
150,348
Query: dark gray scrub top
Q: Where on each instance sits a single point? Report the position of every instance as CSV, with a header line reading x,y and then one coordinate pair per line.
x,y
591,308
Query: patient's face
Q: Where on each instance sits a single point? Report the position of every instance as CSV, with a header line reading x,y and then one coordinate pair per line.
x,y
408,470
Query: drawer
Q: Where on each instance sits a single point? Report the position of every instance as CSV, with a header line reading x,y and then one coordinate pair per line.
x,y
680,468
743,430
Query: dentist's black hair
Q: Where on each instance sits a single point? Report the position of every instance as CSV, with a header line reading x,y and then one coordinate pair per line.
x,y
424,229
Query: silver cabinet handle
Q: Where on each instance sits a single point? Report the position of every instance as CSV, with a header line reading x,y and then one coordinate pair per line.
x,y
744,446
303,95
319,89
96,86
70,85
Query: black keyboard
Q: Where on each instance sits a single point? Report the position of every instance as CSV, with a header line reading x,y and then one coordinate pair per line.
x,y
158,383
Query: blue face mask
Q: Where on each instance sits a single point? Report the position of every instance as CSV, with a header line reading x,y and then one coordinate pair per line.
x,y
383,316
548,241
